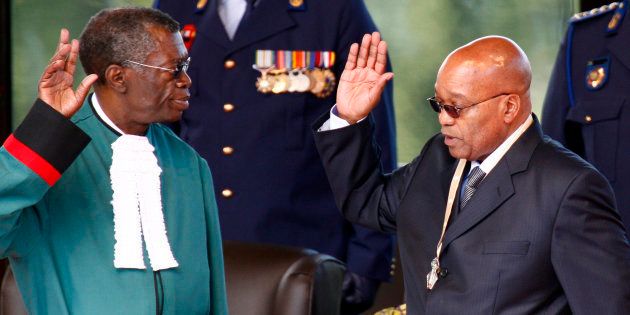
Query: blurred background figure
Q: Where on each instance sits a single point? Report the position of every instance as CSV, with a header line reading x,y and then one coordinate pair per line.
x,y
262,72
586,107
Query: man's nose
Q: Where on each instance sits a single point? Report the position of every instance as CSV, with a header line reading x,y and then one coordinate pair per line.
x,y
445,119
183,80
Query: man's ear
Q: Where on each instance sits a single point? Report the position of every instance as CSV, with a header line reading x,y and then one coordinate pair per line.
x,y
116,78
512,108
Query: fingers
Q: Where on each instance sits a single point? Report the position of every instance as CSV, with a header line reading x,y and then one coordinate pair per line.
x,y
57,62
64,38
71,63
351,63
363,51
375,40
381,58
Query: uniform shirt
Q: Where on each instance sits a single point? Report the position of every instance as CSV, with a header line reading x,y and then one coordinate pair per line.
x,y
270,183
587,106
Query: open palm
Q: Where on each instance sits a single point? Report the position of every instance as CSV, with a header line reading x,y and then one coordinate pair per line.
x,y
56,83
363,79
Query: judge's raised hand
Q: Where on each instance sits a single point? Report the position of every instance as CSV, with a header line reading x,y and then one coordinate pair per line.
x,y
363,79
56,83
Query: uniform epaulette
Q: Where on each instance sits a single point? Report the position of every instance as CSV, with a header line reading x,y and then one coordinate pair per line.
x,y
595,12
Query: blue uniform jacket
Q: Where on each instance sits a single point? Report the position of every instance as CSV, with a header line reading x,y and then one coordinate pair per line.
x,y
270,182
587,106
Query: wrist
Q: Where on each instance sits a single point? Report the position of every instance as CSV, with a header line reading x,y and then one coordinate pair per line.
x,y
345,117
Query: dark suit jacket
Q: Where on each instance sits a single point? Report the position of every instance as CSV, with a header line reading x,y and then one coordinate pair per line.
x,y
281,194
540,235
595,122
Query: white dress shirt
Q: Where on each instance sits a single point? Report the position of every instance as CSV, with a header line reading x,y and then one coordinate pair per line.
x,y
231,12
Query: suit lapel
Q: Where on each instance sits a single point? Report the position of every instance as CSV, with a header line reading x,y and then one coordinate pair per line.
x,y
497,187
268,17
492,192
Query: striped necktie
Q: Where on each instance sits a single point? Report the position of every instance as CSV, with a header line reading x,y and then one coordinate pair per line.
x,y
474,178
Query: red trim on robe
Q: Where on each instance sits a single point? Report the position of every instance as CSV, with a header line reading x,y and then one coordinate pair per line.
x,y
32,160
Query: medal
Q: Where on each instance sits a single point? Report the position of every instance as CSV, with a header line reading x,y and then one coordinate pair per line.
x,y
295,71
432,276
264,83
317,81
292,81
264,64
299,81
329,84
280,83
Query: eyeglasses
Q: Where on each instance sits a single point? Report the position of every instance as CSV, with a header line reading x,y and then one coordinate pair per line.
x,y
179,68
453,110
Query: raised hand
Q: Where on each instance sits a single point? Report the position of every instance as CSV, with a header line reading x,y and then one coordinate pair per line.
x,y
56,83
363,79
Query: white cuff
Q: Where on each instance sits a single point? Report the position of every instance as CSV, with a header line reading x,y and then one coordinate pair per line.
x,y
335,122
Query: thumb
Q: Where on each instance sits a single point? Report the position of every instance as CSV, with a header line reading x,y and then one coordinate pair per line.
x,y
84,87
379,86
81,93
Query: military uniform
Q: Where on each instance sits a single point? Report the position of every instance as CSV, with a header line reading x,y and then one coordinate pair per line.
x,y
587,106
255,133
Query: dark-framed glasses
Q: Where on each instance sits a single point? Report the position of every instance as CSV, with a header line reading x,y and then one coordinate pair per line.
x,y
454,110
179,68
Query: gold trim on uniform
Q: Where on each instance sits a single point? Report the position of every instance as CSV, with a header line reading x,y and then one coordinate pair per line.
x,y
614,21
296,3
227,193
602,9
201,4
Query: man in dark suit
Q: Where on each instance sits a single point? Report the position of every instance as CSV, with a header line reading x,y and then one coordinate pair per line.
x,y
492,217
254,129
587,107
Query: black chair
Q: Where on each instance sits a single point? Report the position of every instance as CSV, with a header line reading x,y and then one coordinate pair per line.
x,y
11,302
277,280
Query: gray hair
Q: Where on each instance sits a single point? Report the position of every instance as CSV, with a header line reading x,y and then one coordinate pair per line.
x,y
114,35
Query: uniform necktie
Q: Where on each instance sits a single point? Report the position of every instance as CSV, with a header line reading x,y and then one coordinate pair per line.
x,y
474,178
231,12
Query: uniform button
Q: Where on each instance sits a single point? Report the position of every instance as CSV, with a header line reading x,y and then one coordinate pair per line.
x,y
443,272
228,107
227,150
229,64
393,266
227,193
588,118
392,273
